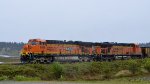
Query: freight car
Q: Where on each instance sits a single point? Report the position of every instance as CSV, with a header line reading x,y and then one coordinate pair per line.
x,y
145,51
48,51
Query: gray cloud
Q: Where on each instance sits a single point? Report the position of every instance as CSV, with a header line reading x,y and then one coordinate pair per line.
x,y
86,20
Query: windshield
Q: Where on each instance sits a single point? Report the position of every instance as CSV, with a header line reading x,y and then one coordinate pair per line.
x,y
33,43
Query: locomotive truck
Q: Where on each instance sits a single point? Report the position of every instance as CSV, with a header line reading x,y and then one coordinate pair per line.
x,y
48,51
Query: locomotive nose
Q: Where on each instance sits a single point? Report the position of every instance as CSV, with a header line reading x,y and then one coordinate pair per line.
x,y
24,50
25,47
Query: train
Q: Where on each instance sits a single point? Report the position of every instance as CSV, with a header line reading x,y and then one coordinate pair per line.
x,y
49,51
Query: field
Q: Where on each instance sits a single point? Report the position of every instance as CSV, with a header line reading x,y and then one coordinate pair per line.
x,y
116,72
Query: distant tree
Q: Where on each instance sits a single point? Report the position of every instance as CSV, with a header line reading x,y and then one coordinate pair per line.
x,y
10,48
145,44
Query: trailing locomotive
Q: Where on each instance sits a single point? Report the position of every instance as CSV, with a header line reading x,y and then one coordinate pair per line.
x,y
48,51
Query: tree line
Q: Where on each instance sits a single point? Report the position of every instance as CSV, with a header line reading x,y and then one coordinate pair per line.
x,y
10,48
145,44
14,48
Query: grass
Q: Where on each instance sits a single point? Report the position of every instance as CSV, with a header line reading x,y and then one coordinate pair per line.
x,y
3,78
57,70
93,71
23,78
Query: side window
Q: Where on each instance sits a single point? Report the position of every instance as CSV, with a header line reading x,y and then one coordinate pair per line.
x,y
37,43
42,43
33,43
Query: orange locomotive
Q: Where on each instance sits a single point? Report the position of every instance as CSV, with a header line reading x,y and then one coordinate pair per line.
x,y
47,51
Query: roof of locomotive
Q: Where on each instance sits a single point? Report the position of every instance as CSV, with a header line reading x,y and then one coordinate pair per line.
x,y
103,44
40,40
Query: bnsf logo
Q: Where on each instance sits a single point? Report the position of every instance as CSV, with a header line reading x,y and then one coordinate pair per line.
x,y
69,49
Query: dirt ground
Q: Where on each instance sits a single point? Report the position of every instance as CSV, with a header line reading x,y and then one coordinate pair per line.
x,y
74,82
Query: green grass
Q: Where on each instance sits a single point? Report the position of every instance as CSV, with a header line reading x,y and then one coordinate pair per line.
x,y
3,78
23,78
93,71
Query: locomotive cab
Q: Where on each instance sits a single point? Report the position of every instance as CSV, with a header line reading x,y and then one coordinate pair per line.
x,y
34,45
36,42
37,46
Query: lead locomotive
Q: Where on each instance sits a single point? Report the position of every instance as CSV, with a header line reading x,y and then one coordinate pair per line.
x,y
48,51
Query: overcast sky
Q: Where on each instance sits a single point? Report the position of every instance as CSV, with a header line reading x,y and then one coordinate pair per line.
x,y
85,20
